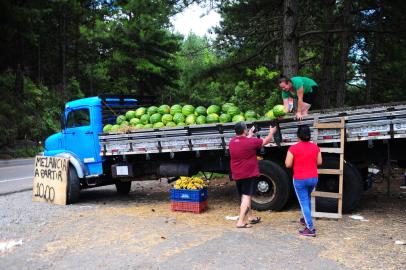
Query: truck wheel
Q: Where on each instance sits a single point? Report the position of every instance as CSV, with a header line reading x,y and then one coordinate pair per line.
x,y
123,187
272,187
73,186
353,187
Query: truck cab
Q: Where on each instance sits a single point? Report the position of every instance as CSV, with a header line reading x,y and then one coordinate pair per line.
x,y
81,122
78,139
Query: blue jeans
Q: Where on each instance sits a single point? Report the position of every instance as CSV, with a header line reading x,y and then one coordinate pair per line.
x,y
303,190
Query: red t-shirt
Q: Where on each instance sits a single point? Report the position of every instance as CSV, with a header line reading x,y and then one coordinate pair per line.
x,y
304,160
243,152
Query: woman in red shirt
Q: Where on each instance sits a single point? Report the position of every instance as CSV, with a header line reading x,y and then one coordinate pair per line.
x,y
304,158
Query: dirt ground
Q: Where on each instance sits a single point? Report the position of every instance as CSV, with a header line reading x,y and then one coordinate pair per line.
x,y
143,226
367,244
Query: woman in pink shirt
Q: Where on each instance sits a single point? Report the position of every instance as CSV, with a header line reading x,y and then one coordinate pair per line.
x,y
304,157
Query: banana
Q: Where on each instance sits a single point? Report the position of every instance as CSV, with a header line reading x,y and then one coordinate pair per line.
x,y
192,183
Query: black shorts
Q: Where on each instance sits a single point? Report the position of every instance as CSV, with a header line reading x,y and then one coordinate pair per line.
x,y
310,97
246,186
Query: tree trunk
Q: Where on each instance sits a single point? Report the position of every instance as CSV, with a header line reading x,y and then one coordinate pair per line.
x,y
19,84
64,51
62,48
370,73
326,83
290,65
39,62
343,54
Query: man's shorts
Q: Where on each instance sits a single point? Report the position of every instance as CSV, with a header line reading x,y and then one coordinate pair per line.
x,y
246,186
310,97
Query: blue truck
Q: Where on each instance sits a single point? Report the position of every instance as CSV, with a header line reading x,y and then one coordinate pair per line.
x,y
373,135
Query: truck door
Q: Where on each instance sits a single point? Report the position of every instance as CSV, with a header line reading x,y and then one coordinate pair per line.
x,y
79,135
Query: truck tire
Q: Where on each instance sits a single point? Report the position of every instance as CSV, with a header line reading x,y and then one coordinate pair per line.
x,y
272,187
73,186
353,187
123,188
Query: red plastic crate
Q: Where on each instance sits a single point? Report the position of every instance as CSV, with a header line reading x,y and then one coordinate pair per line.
x,y
195,207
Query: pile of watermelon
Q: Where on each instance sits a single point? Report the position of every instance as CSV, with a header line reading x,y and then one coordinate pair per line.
x,y
178,115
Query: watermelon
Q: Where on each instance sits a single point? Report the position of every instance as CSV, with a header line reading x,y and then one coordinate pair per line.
x,y
155,118
224,118
114,128
213,109
178,118
148,126
226,106
201,119
212,118
139,126
188,110
251,119
130,115
181,124
164,109
250,114
151,110
171,124
238,118
270,115
120,119
140,112
134,121
124,124
200,111
107,128
166,118
190,119
159,125
279,110
144,119
233,111
176,109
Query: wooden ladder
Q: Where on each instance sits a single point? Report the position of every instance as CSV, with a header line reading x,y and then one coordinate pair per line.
x,y
340,172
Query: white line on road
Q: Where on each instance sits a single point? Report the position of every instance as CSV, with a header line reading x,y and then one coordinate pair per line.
x,y
16,179
16,166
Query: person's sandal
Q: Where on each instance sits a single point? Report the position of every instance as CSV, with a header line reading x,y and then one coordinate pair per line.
x,y
255,220
245,226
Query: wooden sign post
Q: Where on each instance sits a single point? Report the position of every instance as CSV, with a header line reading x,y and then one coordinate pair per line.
x,y
50,180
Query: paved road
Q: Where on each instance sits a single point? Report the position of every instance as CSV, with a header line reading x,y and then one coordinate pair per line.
x,y
16,175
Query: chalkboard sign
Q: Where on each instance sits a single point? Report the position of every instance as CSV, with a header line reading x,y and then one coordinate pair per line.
x,y
50,180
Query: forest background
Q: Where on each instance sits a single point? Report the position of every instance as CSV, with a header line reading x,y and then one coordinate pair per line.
x,y
59,50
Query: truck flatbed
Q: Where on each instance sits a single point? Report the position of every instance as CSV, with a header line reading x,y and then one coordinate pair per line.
x,y
381,122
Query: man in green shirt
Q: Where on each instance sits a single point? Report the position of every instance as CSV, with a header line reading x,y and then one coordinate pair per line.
x,y
301,88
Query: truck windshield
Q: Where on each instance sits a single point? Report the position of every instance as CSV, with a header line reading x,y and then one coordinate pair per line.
x,y
78,118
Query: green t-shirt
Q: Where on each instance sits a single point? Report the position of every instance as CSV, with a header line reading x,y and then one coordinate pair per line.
x,y
297,83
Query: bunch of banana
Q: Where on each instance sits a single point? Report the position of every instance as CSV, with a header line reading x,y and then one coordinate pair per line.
x,y
190,183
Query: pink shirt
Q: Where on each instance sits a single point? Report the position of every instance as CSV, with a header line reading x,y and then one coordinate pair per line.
x,y
243,152
304,160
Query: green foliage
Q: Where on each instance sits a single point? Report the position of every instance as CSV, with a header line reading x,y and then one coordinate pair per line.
x,y
142,48
196,57
55,51
34,119
259,90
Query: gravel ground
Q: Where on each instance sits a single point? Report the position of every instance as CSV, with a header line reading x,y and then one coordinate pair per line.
x,y
138,231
